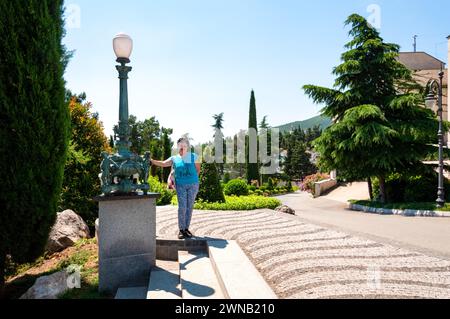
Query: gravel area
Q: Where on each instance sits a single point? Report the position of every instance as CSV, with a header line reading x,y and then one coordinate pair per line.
x,y
302,260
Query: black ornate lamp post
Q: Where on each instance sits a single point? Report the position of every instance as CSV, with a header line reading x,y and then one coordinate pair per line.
x,y
435,89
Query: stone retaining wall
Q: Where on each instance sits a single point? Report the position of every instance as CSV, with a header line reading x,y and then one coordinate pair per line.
x,y
324,186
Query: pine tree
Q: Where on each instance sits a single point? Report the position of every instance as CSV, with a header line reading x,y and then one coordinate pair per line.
x,y
210,188
298,162
380,126
34,125
252,168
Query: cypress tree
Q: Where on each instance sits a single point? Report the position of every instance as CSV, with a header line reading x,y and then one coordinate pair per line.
x,y
252,168
166,142
34,125
210,188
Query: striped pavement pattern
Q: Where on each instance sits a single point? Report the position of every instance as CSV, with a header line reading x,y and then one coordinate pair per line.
x,y
302,260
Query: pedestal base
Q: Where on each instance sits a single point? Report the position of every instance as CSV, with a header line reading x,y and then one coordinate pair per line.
x,y
126,240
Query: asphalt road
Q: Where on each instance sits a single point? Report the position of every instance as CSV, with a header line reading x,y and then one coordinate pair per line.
x,y
429,235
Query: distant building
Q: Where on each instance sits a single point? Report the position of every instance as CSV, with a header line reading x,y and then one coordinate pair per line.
x,y
426,68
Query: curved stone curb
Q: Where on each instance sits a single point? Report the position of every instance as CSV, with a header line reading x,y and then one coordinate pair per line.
x,y
407,212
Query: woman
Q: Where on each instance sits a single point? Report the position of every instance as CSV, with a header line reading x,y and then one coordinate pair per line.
x,y
187,172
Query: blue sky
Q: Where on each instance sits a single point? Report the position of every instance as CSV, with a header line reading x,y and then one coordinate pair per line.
x,y
196,58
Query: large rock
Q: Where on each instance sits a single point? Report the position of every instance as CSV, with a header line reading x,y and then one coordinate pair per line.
x,y
285,209
68,229
48,287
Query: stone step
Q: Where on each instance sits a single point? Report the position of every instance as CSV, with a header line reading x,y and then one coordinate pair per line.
x,y
238,277
164,281
131,293
198,278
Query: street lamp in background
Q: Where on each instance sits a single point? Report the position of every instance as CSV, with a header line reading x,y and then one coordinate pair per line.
x,y
435,90
119,171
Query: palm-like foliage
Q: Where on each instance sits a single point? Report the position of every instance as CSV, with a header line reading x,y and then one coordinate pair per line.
x,y
380,124
264,124
218,121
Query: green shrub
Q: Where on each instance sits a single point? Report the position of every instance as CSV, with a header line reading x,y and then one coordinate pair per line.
x,y
282,190
81,182
237,203
210,187
252,188
157,187
226,178
237,187
410,188
259,192
289,188
270,184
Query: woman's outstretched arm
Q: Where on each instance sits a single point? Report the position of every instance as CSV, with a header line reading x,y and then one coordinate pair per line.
x,y
166,163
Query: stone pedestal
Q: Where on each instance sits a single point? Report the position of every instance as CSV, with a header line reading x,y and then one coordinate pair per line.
x,y
126,240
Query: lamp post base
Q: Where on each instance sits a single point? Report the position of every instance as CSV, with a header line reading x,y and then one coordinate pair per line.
x,y
126,240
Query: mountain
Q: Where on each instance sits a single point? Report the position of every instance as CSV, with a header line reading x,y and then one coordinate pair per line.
x,y
322,121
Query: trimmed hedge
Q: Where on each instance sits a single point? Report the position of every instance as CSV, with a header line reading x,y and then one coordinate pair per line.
x,y
237,203
236,187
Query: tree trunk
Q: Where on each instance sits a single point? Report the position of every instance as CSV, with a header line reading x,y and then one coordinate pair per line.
x,y
382,189
369,184
2,274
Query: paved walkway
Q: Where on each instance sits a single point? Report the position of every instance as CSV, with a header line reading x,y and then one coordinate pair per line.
x,y
300,259
358,191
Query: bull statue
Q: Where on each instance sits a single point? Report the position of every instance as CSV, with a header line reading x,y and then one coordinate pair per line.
x,y
127,174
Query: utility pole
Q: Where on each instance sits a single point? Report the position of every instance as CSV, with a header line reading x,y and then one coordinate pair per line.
x,y
415,43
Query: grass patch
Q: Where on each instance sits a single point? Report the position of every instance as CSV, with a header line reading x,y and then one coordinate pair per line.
x,y
237,203
13,270
402,206
84,254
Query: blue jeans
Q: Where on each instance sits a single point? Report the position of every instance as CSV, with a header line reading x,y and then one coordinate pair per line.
x,y
186,198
